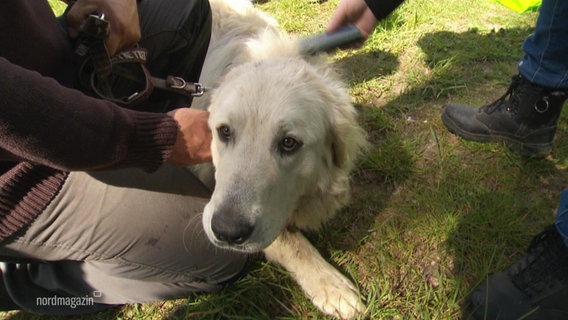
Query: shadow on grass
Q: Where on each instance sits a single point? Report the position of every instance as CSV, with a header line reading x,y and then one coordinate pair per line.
x,y
499,199
459,63
365,66
498,216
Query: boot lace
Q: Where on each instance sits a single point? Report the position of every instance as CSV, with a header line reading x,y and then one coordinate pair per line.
x,y
510,100
545,267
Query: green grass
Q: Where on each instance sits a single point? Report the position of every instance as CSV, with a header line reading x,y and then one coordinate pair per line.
x,y
57,6
431,214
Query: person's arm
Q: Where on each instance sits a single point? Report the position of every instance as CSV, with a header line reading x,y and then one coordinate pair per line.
x,y
46,123
365,14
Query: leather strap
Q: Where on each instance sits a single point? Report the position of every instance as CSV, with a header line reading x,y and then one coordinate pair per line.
x,y
123,78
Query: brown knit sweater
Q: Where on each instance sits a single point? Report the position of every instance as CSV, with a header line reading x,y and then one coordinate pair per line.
x,y
48,129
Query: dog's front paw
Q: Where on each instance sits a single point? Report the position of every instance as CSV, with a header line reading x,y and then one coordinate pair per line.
x,y
334,294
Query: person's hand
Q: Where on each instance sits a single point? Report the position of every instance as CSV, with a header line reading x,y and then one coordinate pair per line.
x,y
193,143
122,15
354,12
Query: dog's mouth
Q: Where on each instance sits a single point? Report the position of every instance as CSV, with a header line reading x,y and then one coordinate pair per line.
x,y
243,247
248,245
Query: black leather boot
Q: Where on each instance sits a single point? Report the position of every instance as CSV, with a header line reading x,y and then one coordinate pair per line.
x,y
524,118
534,288
6,302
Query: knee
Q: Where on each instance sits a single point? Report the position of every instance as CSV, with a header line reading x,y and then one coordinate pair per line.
x,y
197,23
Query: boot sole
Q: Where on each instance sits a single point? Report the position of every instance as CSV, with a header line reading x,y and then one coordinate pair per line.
x,y
529,150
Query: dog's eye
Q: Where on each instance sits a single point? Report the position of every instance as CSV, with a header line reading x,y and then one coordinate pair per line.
x,y
289,145
224,133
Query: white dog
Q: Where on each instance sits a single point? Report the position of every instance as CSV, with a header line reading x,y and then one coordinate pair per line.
x,y
285,138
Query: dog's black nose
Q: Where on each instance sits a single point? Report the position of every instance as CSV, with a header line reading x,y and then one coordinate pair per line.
x,y
230,230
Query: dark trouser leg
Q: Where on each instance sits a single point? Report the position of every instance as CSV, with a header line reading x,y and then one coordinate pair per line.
x,y
176,35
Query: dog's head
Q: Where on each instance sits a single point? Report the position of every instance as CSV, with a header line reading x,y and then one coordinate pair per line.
x,y
284,131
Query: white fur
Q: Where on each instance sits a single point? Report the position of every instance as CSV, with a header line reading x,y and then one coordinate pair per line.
x,y
264,91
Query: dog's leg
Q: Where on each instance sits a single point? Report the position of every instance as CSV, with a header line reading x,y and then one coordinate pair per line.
x,y
328,289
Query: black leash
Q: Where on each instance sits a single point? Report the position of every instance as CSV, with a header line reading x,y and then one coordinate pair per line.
x,y
123,78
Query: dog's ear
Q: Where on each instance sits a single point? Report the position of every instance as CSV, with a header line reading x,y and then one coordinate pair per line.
x,y
338,152
348,138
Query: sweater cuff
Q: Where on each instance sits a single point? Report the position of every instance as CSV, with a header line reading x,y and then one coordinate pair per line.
x,y
153,142
383,8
